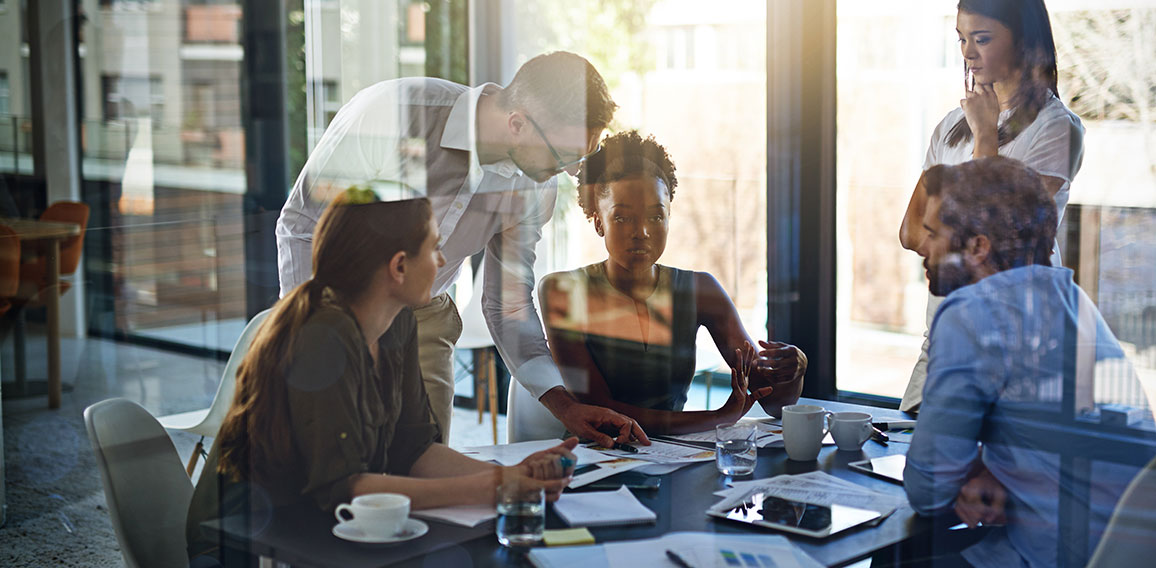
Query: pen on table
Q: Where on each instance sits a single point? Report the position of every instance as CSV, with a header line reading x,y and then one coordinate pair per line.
x,y
879,436
674,557
625,448
894,425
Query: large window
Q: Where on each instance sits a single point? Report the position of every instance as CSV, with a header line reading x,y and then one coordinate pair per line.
x,y
163,164
693,75
899,72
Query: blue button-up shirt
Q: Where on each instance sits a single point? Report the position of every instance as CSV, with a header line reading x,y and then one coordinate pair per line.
x,y
998,353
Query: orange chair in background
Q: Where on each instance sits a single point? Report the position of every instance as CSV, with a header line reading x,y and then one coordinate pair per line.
x,y
9,267
34,272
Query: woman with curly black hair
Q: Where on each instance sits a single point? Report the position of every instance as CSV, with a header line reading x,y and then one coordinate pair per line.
x,y
623,330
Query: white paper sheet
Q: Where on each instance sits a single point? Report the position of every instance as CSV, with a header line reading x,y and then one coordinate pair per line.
x,y
605,469
702,550
465,516
512,454
602,508
664,452
770,435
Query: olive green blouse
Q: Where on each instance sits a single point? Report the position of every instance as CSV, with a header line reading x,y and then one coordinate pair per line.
x,y
347,417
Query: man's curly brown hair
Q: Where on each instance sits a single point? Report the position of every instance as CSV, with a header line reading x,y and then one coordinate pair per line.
x,y
1002,199
623,155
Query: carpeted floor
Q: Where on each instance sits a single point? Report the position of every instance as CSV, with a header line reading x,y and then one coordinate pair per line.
x,y
56,512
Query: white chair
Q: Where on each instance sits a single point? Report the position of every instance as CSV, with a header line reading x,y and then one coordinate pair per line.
x,y
476,335
527,419
146,488
1130,539
207,421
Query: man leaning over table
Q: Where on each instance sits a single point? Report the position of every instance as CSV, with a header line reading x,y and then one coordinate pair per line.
x,y
487,157
998,353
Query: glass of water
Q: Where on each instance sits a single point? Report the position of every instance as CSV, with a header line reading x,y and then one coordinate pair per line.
x,y
735,451
521,515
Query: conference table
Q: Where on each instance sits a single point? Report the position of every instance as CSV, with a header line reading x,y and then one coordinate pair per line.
x,y
45,238
301,535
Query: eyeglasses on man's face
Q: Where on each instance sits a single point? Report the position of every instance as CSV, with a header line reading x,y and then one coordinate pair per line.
x,y
562,164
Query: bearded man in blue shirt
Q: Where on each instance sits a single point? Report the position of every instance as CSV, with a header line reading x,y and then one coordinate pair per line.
x,y
1001,343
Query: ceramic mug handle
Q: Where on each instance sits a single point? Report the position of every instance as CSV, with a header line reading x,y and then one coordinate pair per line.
x,y
865,432
829,419
343,507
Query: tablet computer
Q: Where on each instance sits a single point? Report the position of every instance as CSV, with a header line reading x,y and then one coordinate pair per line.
x,y
886,467
815,521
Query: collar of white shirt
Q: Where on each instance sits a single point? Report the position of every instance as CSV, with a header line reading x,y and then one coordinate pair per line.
x,y
459,133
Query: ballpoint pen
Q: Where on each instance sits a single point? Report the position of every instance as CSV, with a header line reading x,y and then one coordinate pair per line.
x,y
625,448
674,557
894,425
879,436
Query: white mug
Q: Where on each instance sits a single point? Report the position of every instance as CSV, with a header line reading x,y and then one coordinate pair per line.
x,y
850,429
378,515
804,427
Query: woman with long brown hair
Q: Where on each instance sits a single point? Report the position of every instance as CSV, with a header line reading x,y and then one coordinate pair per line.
x,y
1011,107
329,401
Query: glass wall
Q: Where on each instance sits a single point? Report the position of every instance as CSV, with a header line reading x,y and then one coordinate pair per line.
x,y
693,75
899,72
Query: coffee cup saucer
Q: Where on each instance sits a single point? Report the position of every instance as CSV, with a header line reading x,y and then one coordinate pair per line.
x,y
412,529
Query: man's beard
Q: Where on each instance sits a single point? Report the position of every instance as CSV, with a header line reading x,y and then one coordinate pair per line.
x,y
948,275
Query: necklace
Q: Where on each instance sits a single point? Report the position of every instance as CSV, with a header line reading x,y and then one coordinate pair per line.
x,y
643,312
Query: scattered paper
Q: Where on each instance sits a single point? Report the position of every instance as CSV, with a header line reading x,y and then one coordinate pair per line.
x,y
601,508
602,470
465,516
513,454
701,550
770,434
663,452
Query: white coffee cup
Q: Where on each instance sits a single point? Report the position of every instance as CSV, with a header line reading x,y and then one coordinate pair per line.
x,y
378,515
804,426
850,429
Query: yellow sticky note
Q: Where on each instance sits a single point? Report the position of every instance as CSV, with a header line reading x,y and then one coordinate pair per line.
x,y
567,537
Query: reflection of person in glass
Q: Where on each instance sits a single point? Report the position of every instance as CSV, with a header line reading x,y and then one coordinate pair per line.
x,y
1001,343
623,330
1011,107
487,158
330,403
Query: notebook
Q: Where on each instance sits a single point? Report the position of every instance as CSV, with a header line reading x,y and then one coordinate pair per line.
x,y
600,508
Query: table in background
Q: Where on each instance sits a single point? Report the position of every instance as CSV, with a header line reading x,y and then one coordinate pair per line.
x,y
300,536
45,236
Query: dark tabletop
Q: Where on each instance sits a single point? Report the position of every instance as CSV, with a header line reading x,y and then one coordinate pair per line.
x,y
301,536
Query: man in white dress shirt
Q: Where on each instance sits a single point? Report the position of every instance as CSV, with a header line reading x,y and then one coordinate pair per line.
x,y
487,158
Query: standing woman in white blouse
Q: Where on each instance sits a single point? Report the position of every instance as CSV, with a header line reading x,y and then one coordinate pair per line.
x,y
1011,107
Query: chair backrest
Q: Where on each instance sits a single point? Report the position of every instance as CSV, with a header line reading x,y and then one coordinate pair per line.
x,y
1130,539
9,261
145,485
475,332
69,212
527,419
224,397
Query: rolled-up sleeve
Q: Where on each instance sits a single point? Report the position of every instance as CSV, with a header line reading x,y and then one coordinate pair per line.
x,y
956,396
507,300
325,410
416,430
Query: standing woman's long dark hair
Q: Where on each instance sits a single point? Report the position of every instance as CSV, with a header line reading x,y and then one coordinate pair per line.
x,y
1032,29
351,243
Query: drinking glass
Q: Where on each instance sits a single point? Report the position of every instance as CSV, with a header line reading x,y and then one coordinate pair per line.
x,y
521,515
735,450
